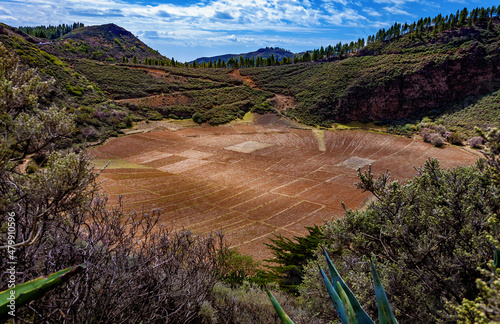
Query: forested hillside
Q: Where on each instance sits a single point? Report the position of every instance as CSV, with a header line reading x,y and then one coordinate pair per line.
x,y
405,78
104,43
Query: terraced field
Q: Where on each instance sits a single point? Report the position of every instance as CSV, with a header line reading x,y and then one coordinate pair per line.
x,y
253,181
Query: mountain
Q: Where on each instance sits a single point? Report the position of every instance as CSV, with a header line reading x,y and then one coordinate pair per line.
x,y
278,53
105,43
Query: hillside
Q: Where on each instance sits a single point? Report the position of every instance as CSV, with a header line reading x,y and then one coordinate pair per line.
x,y
105,43
107,98
70,88
264,53
402,79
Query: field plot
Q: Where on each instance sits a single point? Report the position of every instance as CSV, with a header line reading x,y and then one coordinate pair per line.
x,y
253,181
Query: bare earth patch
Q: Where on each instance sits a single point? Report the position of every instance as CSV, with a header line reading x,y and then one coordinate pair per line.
x,y
355,162
255,180
248,147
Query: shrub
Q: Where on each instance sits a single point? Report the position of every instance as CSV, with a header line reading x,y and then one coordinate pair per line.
x,y
290,257
199,117
129,122
455,138
476,142
249,303
436,140
428,235
135,268
426,134
263,108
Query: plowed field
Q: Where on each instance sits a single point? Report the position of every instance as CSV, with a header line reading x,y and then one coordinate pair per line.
x,y
253,181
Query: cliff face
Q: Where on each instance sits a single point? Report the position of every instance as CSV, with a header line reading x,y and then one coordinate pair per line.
x,y
467,73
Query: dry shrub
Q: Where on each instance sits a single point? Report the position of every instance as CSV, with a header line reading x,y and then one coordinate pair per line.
x,y
476,142
136,270
426,134
436,140
249,303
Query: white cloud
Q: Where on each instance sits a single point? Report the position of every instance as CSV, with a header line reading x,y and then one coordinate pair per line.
x,y
342,2
372,12
397,11
214,22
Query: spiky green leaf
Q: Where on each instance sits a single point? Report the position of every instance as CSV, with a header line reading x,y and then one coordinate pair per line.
x,y
361,315
347,304
28,291
385,315
496,259
281,313
334,296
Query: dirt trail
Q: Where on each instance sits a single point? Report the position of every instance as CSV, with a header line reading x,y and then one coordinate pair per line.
x,y
245,79
279,102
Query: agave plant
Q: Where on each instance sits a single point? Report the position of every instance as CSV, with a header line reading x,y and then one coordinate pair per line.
x,y
281,313
346,304
344,301
31,290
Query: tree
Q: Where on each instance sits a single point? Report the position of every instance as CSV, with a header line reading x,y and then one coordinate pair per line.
x,y
29,130
291,257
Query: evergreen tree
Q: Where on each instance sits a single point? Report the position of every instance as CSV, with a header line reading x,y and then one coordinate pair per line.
x,y
292,255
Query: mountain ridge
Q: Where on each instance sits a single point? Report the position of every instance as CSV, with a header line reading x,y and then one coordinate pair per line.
x,y
278,53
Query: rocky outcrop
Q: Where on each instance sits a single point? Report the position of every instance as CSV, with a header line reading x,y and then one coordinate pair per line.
x,y
462,74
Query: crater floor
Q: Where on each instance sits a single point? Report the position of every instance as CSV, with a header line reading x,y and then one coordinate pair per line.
x,y
253,181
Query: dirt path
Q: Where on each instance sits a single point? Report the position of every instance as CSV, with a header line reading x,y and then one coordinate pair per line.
x,y
246,80
279,102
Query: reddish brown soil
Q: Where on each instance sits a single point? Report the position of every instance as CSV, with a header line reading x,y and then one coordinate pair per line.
x,y
247,80
202,186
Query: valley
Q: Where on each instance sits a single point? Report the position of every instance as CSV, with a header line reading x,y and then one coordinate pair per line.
x,y
255,180
185,192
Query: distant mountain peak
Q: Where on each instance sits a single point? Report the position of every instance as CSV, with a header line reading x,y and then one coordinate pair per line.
x,y
266,52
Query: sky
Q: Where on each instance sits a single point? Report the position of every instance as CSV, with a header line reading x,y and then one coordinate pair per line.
x,y
190,29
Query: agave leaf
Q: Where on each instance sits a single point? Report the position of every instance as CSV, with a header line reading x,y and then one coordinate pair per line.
x,y
334,296
31,290
385,315
347,304
496,259
361,315
281,313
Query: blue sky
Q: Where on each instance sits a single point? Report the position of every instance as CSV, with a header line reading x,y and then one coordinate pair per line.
x,y
190,29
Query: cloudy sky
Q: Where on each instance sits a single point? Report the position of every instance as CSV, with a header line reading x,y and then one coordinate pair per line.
x,y
190,29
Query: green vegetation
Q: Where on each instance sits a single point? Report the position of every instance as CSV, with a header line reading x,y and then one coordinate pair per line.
x,y
105,43
464,117
218,106
50,32
291,257
122,82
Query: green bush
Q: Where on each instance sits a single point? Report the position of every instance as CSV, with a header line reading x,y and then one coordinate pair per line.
x,y
455,138
428,235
